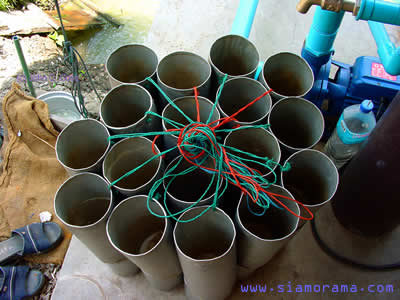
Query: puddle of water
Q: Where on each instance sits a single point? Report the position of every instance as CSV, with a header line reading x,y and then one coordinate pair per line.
x,y
135,15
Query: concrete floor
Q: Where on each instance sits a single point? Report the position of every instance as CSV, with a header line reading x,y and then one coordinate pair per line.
x,y
301,262
192,26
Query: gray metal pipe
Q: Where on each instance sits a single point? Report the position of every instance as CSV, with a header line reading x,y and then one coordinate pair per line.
x,y
188,106
313,180
124,108
297,123
288,74
179,72
261,237
131,63
62,109
83,203
82,146
238,92
207,253
146,240
256,141
127,155
185,190
233,55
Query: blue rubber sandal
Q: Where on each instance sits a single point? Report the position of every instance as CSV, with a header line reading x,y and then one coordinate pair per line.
x,y
19,282
34,238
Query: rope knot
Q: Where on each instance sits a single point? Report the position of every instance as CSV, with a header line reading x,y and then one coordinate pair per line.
x,y
195,140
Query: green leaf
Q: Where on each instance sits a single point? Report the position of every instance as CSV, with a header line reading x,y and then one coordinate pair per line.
x,y
60,40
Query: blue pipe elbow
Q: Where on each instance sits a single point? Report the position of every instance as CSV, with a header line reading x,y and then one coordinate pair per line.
x,y
244,18
388,53
384,11
323,32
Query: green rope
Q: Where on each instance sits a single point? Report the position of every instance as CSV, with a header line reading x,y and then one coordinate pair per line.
x,y
169,100
217,98
201,141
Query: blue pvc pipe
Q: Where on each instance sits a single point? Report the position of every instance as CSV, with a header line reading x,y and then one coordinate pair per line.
x,y
323,32
388,53
384,11
244,17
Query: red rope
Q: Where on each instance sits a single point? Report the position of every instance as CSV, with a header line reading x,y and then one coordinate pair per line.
x,y
242,109
191,130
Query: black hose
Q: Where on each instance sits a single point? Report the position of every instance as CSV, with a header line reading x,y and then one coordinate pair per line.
x,y
72,60
346,260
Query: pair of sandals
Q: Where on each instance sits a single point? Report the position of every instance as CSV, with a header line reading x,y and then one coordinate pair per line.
x,y
19,282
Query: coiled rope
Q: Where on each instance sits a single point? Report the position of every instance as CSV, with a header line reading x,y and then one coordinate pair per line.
x,y
197,143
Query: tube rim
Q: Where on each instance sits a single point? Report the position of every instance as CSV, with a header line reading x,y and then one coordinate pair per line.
x,y
238,37
135,85
123,202
268,97
146,183
125,46
231,246
268,133
262,239
79,170
333,168
183,53
321,117
68,181
305,64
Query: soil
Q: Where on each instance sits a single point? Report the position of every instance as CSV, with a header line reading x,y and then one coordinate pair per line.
x,y
48,73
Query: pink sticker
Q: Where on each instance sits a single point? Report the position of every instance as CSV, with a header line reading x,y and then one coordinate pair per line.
x,y
378,70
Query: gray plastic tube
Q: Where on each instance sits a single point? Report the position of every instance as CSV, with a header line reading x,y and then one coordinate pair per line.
x,y
82,146
127,155
313,180
233,55
261,237
185,190
297,124
124,108
236,93
146,240
256,141
83,203
288,74
179,72
131,64
207,252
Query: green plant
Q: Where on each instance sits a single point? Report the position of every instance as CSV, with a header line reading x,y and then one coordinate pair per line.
x,y
81,74
11,4
58,38
17,4
44,4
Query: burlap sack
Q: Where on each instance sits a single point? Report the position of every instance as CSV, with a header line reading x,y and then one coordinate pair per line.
x,y
31,173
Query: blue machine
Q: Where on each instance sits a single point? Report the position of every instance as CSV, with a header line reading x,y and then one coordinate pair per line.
x,y
371,78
